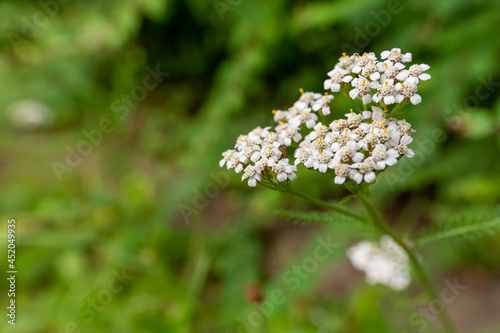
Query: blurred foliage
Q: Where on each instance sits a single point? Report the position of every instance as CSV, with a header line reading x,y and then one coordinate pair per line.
x,y
230,64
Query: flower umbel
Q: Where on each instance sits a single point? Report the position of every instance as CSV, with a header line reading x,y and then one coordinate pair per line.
x,y
355,147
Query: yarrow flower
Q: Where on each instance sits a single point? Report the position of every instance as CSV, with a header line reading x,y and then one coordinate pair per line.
x,y
396,56
385,263
354,148
337,78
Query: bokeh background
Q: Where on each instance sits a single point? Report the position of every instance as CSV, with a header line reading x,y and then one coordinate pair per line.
x,y
145,233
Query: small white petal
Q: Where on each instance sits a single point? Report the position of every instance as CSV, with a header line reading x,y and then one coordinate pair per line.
x,y
406,140
347,78
389,100
358,157
415,99
357,178
335,146
353,93
375,76
402,76
369,177
413,80
367,114
339,180
391,161
335,87
255,157
365,127
399,66
406,57
424,76
366,99
392,153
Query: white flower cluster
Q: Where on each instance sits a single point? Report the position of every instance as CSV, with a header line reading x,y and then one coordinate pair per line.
x,y
30,115
383,81
386,263
355,147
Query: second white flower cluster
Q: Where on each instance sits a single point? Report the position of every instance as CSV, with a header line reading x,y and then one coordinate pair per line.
x,y
385,263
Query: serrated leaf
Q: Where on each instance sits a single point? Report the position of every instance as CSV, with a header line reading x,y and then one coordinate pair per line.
x,y
465,230
314,217
346,199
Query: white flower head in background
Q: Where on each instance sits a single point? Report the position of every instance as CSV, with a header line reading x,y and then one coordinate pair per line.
x,y
30,115
383,263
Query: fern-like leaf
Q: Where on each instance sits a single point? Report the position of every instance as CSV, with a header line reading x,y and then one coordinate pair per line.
x,y
314,217
346,199
464,228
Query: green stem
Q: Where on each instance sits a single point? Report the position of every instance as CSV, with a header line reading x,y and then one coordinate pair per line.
x,y
426,283
384,228
327,205
321,203
264,328
397,108
323,120
356,106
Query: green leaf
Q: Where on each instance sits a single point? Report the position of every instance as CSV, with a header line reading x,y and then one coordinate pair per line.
x,y
461,229
314,217
346,199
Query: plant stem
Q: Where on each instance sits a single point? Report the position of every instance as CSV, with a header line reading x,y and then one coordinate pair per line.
x,y
426,283
384,228
397,108
321,203
327,205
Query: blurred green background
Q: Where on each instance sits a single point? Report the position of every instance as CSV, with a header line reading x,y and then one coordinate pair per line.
x,y
144,233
